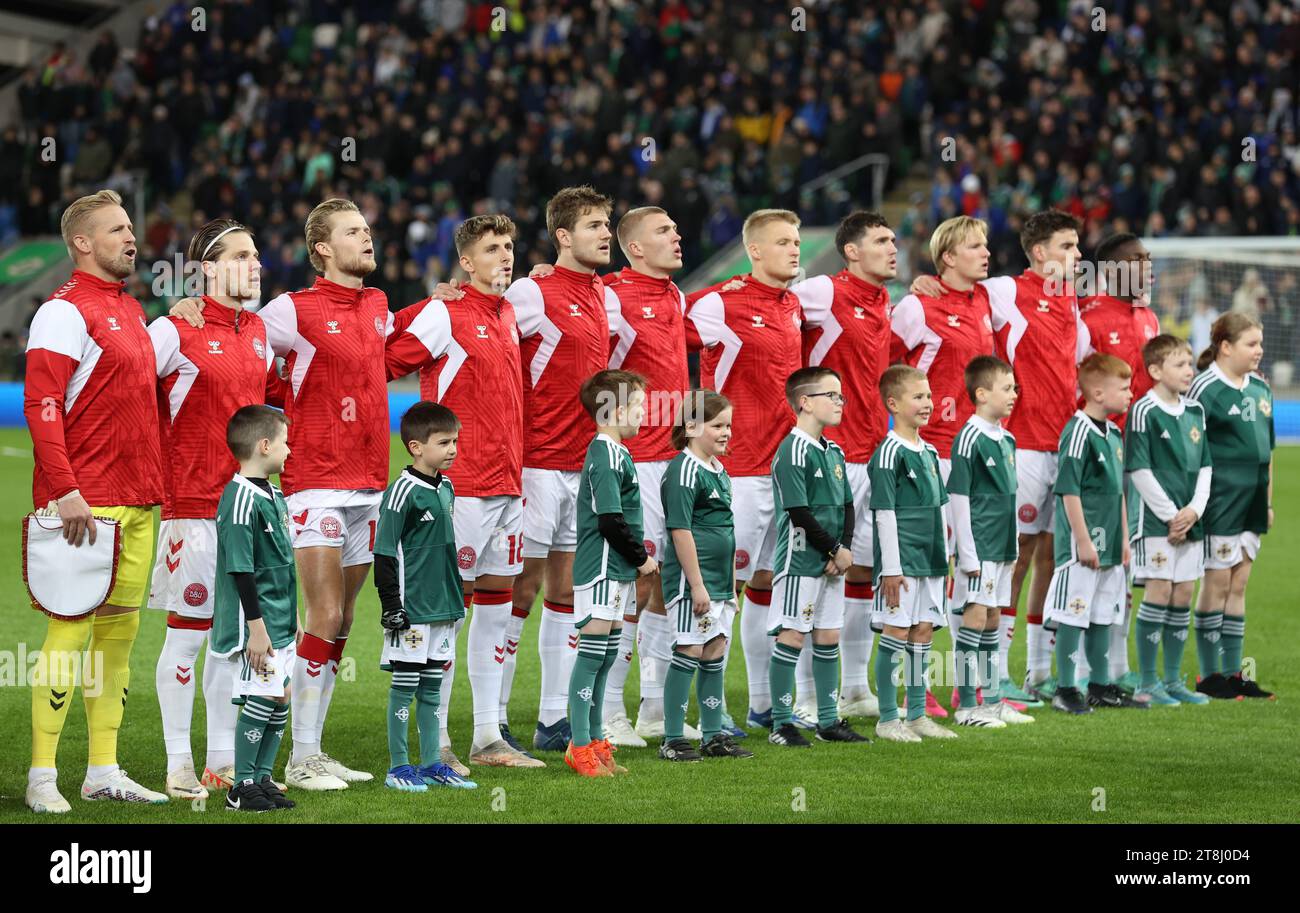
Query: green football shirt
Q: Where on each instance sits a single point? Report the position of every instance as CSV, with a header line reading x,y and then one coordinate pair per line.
x,y
608,486
697,497
812,474
984,470
1169,441
253,538
905,479
415,529
1239,426
1090,464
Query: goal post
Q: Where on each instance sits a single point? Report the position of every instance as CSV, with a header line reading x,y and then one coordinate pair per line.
x,y
1197,279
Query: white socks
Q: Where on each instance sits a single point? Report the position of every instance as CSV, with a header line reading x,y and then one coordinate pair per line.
x,y
513,631
618,672
1118,655
557,646
1006,634
174,681
856,641
654,650
448,678
805,689
757,645
218,687
1038,653
485,654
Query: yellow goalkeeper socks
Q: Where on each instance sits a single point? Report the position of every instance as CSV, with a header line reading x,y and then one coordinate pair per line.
x,y
53,684
110,651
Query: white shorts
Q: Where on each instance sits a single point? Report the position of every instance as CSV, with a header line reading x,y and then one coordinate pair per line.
x,y
1036,472
604,600
185,568
550,511
489,536
1155,559
420,643
924,601
700,629
271,683
754,509
1228,551
804,603
649,478
1079,596
990,588
339,519
863,535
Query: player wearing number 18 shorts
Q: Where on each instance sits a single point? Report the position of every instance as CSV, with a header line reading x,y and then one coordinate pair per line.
x,y
467,353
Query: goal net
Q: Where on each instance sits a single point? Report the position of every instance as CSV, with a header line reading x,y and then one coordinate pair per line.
x,y
1197,279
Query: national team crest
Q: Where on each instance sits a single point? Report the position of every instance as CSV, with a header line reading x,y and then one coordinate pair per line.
x,y
1224,551
649,548
839,472
1159,559
1195,434
1027,513
466,557
703,624
195,595
988,587
617,601
413,638
742,559
379,325
330,527
1078,606
1265,406
258,349
807,612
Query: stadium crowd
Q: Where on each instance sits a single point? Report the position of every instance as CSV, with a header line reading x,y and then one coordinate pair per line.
x,y
428,112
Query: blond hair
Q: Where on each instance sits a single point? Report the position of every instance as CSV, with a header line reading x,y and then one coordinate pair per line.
x,y
950,234
319,225
896,379
761,217
75,216
631,221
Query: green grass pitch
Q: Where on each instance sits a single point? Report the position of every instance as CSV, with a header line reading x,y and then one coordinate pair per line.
x,y
1226,762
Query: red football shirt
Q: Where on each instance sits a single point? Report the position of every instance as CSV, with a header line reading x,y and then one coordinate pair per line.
x,y
467,353
205,375
1120,328
846,329
563,340
332,340
651,341
751,343
89,397
940,336
1038,334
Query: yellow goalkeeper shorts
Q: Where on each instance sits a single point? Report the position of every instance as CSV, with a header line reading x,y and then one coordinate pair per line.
x,y
135,561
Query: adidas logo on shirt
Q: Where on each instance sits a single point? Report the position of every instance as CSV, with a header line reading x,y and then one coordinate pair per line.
x,y
427,516
269,529
1101,458
1234,410
990,462
911,474
1164,435
712,494
817,474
